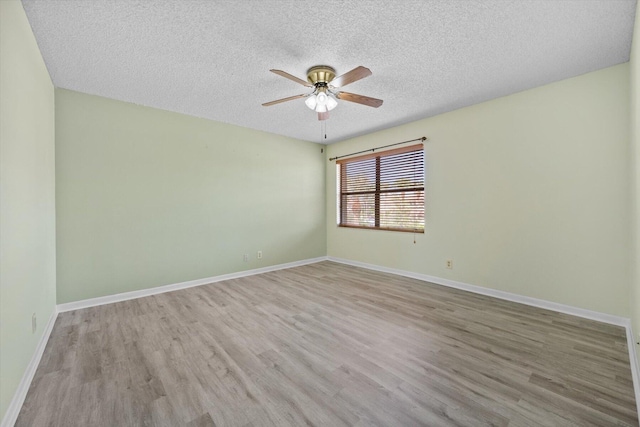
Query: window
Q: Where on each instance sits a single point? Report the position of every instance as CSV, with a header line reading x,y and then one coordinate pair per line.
x,y
383,191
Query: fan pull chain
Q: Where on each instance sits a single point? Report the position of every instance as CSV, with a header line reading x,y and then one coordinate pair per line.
x,y
323,130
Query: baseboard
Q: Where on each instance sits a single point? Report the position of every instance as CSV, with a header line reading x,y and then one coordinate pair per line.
x,y
535,302
93,302
635,369
13,410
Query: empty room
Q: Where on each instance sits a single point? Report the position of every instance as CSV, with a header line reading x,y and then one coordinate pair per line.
x,y
341,213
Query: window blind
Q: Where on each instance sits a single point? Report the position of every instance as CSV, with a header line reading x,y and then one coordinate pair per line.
x,y
384,190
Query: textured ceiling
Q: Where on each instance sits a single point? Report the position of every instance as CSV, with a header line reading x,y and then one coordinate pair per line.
x,y
211,59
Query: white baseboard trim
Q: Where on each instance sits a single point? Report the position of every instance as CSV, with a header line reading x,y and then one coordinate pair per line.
x,y
549,305
13,410
93,302
535,302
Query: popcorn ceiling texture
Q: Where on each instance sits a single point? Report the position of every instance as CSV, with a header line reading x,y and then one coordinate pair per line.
x,y
211,59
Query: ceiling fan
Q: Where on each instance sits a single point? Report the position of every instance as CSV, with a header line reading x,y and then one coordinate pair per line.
x,y
324,82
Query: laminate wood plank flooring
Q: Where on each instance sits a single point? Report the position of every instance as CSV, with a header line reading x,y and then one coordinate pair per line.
x,y
329,345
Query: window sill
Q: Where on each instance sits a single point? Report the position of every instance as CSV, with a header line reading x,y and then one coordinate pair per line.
x,y
402,230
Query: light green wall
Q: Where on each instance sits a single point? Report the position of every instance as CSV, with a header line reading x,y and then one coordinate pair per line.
x,y
527,194
635,182
27,197
147,197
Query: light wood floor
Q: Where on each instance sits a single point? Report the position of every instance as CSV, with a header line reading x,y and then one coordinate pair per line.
x,y
332,345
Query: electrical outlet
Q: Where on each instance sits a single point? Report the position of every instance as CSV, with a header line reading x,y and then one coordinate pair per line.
x,y
259,254
34,323
450,264
245,258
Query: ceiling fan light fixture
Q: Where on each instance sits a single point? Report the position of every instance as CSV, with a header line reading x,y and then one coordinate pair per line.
x,y
321,108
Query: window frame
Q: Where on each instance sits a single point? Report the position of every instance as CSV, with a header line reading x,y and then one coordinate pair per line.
x,y
378,190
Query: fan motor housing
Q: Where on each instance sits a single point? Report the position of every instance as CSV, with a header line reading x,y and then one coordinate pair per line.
x,y
320,74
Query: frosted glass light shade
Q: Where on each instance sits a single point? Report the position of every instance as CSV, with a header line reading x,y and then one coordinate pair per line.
x,y
331,103
311,102
321,98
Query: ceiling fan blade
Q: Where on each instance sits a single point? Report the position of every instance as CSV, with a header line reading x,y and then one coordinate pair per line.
x,y
278,101
323,116
360,99
350,77
290,77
